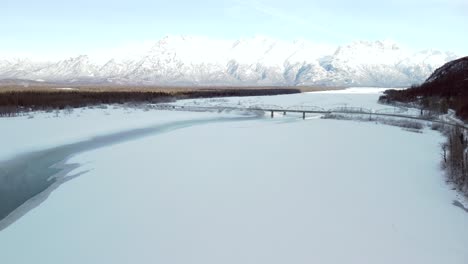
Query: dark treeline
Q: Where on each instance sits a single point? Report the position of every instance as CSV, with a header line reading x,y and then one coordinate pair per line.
x,y
205,93
446,88
14,101
434,96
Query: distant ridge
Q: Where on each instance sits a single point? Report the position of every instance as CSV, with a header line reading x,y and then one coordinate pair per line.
x,y
185,60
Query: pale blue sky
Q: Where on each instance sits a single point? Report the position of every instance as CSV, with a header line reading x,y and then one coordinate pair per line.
x,y
59,26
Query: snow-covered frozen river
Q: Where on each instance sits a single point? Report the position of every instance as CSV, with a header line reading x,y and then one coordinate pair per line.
x,y
249,190
35,175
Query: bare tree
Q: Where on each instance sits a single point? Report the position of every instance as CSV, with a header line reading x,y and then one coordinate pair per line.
x,y
457,158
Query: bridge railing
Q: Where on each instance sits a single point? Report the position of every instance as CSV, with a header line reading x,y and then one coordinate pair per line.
x,y
393,110
351,109
306,108
266,107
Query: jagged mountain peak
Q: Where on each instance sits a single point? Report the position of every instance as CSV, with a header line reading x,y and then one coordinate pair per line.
x,y
380,44
76,60
361,47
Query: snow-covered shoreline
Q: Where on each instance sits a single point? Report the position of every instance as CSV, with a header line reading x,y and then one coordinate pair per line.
x,y
41,130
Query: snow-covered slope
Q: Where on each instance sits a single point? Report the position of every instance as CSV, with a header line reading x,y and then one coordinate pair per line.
x,y
253,61
455,71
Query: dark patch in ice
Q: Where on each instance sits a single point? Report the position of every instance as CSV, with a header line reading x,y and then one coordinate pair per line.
x,y
460,205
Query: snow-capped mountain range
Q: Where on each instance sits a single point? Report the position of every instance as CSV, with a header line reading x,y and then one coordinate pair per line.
x,y
182,60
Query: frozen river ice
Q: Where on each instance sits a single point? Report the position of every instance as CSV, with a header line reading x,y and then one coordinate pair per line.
x,y
282,190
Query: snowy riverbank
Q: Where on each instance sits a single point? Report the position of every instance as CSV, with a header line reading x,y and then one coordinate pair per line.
x,y
253,191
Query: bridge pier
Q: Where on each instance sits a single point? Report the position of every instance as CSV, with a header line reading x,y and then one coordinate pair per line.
x,y
303,115
284,113
272,114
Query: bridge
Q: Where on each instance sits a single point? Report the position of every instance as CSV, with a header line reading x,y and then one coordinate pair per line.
x,y
304,109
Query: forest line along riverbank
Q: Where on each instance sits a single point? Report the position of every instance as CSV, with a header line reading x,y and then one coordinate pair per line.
x,y
15,100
